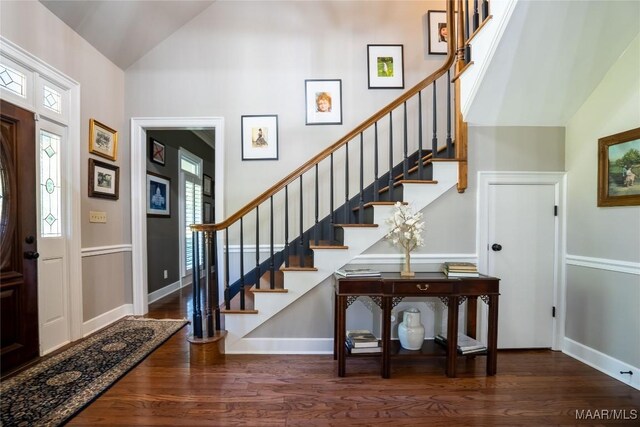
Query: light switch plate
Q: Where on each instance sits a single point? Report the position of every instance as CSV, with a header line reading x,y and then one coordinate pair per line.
x,y
100,217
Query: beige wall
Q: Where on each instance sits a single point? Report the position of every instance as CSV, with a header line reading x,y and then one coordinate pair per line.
x,y
602,305
35,29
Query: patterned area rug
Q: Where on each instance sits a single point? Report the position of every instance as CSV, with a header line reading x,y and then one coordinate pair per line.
x,y
55,389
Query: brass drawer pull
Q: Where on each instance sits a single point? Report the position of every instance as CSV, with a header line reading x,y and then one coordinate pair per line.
x,y
422,287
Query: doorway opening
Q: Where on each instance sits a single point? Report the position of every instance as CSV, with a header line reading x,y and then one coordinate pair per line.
x,y
139,150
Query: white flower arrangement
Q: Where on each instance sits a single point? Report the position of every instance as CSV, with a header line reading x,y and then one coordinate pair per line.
x,y
405,227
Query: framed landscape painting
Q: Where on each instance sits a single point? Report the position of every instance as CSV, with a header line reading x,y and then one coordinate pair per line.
x,y
103,141
618,169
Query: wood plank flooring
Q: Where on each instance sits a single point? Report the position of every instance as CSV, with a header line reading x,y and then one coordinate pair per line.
x,y
531,388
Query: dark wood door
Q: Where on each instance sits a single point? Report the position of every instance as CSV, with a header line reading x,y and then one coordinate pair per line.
x,y
18,251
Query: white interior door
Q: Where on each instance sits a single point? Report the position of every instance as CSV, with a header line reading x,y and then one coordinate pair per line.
x,y
521,252
53,281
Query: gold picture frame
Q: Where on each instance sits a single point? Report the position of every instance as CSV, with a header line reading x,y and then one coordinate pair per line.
x,y
619,169
103,141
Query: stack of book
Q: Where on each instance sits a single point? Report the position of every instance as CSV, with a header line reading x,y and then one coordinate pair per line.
x,y
466,344
362,341
460,269
357,272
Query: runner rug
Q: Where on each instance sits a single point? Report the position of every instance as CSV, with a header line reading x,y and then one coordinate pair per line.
x,y
55,389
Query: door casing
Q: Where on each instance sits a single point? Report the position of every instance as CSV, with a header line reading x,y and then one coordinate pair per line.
x,y
559,181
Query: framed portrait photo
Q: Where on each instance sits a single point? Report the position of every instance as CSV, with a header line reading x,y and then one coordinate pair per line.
x,y
103,180
385,63
437,32
103,141
323,99
207,185
158,195
259,137
618,169
157,151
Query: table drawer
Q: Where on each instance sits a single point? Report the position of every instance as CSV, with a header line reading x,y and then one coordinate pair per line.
x,y
426,287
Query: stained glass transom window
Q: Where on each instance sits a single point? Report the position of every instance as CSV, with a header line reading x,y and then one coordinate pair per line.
x,y
13,80
52,100
50,190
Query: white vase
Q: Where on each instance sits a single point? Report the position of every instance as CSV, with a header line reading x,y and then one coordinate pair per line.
x,y
411,331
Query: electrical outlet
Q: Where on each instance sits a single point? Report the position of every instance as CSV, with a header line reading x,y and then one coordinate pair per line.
x,y
97,217
166,275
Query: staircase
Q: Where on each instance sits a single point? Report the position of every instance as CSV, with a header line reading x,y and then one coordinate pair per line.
x,y
322,212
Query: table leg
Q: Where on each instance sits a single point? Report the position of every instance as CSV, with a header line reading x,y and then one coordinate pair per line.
x,y
452,336
386,336
472,309
341,308
492,336
335,327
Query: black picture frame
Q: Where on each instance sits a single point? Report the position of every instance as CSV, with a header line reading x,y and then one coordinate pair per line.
x,y
436,20
104,180
158,197
385,66
157,151
207,185
259,137
328,92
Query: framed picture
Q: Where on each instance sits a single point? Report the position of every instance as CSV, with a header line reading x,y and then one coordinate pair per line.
x,y
156,151
259,138
437,31
385,63
618,169
207,185
103,141
206,217
323,100
158,195
103,180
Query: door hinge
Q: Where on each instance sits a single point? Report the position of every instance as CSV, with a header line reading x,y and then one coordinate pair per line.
x,y
555,210
36,117
553,312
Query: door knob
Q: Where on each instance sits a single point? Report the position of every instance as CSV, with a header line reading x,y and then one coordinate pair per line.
x,y
496,247
31,255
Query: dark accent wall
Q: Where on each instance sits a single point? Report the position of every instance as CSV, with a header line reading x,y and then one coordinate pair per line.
x,y
163,234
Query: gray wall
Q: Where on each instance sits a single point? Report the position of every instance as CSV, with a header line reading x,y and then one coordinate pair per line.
x,y
163,234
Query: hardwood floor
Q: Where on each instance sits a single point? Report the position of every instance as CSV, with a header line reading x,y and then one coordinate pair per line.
x,y
531,388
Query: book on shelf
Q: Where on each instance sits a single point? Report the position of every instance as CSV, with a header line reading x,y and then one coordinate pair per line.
x,y
361,338
357,272
362,350
466,344
461,266
461,274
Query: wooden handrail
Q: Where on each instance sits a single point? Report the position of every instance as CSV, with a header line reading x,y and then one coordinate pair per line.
x,y
451,49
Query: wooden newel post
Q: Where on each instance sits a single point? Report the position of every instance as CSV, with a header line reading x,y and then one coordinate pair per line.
x,y
461,125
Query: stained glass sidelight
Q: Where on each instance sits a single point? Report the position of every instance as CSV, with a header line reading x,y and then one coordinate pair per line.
x,y
13,80
52,99
50,191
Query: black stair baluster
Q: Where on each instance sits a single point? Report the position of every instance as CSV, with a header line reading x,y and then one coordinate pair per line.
x,y
226,259
420,166
346,183
449,141
258,273
286,226
390,156
332,219
301,252
361,202
195,278
434,138
405,161
485,10
476,16
467,45
242,289
316,229
272,271
376,184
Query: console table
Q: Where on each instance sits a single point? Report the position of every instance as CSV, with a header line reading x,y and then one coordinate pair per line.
x,y
389,289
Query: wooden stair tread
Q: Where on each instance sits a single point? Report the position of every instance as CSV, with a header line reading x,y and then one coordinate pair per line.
x,y
269,290
381,203
298,269
328,247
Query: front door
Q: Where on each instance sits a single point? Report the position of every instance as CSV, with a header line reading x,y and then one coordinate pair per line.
x,y
521,252
18,238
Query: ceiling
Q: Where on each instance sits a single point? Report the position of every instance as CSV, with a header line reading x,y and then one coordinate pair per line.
x,y
125,30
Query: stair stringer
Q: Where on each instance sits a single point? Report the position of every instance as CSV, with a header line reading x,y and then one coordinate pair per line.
x,y
298,283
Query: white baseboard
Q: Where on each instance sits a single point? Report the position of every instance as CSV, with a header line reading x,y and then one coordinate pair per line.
x,y
99,322
282,346
602,362
163,292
